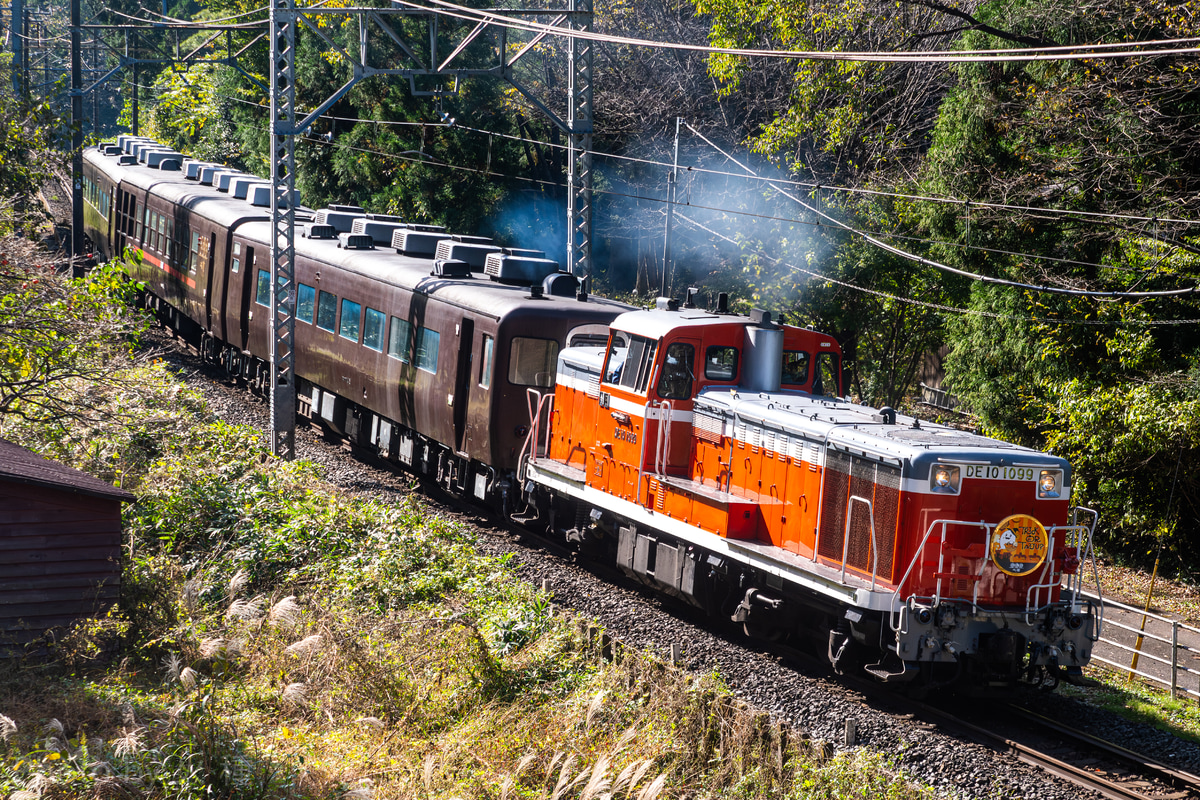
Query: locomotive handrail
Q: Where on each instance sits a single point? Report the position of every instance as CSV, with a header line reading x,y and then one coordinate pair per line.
x,y
662,446
897,613
534,401
846,537
1033,592
1090,554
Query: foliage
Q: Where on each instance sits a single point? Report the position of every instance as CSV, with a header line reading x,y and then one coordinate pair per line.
x,y
33,139
60,339
841,119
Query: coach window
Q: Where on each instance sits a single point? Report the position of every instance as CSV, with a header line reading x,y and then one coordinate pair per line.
x,y
138,222
427,349
194,256
399,339
373,324
795,368
485,363
720,363
236,264
306,303
163,240
351,320
326,312
531,362
262,294
675,382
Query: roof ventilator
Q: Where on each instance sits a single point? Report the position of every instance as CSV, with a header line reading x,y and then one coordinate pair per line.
x,y
356,241
451,268
562,284
318,231
519,270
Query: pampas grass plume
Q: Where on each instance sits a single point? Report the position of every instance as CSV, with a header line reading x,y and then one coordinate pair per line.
x,y
285,613
305,646
189,677
239,581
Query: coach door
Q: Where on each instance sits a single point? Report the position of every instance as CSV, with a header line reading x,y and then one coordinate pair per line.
x,y
246,285
462,382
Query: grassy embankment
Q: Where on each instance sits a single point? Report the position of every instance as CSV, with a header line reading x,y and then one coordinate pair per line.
x,y
278,637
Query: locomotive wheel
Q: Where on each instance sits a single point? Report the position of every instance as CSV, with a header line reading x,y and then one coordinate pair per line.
x,y
764,631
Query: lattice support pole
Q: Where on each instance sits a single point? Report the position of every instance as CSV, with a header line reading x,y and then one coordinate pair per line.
x,y
579,120
283,228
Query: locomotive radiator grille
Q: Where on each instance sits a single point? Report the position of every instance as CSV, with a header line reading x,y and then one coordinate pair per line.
x,y
848,476
706,426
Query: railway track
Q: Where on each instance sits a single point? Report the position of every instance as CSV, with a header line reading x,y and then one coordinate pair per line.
x,y
1089,762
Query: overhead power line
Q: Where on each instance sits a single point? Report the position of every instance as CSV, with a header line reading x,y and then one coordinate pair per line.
x,y
927,262
1154,48
776,183
939,307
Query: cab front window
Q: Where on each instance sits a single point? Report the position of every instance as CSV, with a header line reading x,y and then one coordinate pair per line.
x,y
629,361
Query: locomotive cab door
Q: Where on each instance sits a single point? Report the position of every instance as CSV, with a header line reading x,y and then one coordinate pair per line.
x,y
668,437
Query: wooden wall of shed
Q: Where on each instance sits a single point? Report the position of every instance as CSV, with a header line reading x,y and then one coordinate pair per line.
x,y
59,558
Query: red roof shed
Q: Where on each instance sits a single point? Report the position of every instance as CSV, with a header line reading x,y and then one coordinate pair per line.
x,y
60,545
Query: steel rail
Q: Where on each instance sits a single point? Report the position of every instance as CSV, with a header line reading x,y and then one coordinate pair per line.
x,y
1187,784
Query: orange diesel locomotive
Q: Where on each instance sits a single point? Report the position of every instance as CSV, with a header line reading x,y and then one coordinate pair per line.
x,y
712,457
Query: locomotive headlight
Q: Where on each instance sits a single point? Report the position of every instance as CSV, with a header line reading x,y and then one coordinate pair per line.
x,y
1050,483
943,478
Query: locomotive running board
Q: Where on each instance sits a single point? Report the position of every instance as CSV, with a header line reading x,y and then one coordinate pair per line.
x,y
763,557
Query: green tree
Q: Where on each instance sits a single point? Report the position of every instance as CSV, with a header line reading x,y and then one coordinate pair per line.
x,y
59,338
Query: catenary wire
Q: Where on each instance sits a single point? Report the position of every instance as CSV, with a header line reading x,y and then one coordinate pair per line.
x,y
896,251
833,222
1100,50
947,309
1058,53
789,182
939,307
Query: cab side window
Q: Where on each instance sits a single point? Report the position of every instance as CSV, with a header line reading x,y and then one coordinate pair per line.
x,y
795,368
675,380
720,363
